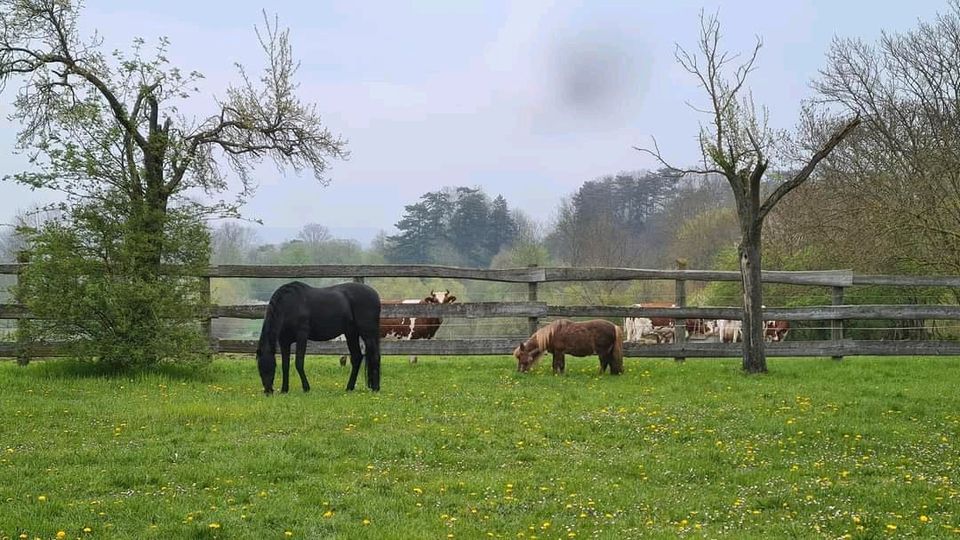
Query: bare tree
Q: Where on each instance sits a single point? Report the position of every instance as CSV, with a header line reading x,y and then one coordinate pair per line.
x,y
102,128
232,244
905,164
737,144
315,234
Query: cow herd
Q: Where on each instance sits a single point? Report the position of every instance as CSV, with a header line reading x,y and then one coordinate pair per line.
x,y
663,329
635,329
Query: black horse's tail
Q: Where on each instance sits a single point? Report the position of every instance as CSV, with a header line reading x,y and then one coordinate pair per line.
x,y
371,356
366,315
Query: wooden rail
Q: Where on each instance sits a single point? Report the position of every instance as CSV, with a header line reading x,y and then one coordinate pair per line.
x,y
505,346
541,309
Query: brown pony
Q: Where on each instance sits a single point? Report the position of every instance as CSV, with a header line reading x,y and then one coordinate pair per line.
x,y
564,336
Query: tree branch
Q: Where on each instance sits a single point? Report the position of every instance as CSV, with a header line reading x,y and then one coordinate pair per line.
x,y
804,173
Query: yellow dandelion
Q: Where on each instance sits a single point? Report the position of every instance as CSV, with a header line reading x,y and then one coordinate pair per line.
x,y
328,514
366,521
288,534
24,536
417,490
856,520
924,519
891,527
87,530
214,525
546,525
42,498
61,535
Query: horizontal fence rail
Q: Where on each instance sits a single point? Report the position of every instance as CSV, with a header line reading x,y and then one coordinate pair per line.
x,y
505,346
541,309
833,278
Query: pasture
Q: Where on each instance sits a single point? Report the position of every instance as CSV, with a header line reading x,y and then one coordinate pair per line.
x,y
468,448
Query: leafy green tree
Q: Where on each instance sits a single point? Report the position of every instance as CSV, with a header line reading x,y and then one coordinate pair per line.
x,y
502,229
450,226
412,244
469,225
107,133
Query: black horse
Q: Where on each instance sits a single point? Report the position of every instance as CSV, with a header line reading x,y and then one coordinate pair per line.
x,y
298,312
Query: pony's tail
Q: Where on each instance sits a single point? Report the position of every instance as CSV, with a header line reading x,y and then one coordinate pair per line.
x,y
616,365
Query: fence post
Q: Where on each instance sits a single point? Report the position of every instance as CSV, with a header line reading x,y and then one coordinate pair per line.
x,y
23,324
532,322
836,325
206,328
680,325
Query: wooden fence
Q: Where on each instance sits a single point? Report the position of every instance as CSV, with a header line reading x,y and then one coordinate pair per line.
x,y
534,310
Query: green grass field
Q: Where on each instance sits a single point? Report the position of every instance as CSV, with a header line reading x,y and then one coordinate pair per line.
x,y
468,448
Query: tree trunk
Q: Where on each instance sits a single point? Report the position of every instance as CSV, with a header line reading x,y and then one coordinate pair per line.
x,y
754,355
147,223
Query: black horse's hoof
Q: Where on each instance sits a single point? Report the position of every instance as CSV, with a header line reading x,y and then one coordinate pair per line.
x,y
306,388
268,393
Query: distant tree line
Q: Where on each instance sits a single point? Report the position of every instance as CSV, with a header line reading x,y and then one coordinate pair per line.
x,y
452,226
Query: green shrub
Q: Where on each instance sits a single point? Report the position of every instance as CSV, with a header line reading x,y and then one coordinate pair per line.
x,y
87,284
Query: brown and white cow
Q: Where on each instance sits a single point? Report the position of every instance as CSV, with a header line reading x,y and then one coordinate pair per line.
x,y
416,327
659,328
775,330
409,328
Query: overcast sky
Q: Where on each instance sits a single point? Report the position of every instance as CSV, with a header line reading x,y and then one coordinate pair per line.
x,y
527,98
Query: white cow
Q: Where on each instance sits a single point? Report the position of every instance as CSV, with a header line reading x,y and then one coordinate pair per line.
x,y
730,331
636,328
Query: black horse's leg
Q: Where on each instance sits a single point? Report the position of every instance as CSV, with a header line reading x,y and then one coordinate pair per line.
x,y
301,352
371,351
356,358
285,367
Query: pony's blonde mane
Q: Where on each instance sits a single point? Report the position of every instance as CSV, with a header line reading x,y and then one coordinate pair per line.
x,y
544,336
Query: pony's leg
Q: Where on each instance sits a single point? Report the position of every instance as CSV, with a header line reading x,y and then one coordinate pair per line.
x,y
285,367
356,358
301,353
559,363
604,362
